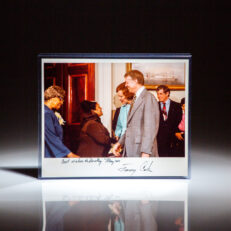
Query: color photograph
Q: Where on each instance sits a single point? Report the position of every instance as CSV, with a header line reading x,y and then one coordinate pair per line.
x,y
97,114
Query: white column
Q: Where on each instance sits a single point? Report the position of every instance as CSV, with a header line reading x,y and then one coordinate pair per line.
x,y
103,91
118,72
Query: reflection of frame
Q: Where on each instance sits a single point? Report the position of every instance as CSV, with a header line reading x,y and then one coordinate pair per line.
x,y
94,77
150,204
170,73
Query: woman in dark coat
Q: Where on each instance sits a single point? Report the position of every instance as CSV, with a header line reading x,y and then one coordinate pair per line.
x,y
94,140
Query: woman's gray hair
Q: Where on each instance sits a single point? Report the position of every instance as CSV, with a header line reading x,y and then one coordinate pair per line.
x,y
54,91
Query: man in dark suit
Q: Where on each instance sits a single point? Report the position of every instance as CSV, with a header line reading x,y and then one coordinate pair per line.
x,y
170,117
139,140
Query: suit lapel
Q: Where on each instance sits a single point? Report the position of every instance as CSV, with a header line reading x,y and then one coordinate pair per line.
x,y
161,114
136,105
170,109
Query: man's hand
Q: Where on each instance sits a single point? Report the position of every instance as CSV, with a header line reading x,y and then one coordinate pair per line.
x,y
116,149
72,155
143,154
179,136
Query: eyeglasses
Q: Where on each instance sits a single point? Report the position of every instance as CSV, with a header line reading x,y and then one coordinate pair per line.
x,y
61,98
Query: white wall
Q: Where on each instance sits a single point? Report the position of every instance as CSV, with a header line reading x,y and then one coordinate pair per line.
x,y
103,91
118,71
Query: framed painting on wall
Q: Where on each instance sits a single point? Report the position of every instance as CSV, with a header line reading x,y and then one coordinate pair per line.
x,y
168,72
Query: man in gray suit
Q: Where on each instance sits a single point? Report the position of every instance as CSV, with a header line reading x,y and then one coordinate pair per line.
x,y
139,139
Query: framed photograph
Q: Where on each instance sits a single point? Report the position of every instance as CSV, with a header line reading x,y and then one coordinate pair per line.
x,y
115,115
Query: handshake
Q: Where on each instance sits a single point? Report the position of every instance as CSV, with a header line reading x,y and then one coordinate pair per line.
x,y
116,150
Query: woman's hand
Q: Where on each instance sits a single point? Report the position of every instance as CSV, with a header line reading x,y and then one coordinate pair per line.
x,y
179,136
72,155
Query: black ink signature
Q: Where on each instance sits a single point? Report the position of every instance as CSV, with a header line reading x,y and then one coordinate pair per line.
x,y
146,166
126,169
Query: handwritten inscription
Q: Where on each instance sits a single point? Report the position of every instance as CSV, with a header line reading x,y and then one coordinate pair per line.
x,y
121,165
65,161
112,161
98,161
92,160
77,161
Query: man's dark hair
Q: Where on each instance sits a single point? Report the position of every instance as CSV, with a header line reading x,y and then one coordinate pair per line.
x,y
164,87
136,75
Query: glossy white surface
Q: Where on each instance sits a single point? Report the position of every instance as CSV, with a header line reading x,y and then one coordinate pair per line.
x,y
26,201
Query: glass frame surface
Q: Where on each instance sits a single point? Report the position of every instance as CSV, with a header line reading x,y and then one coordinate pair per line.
x,y
154,167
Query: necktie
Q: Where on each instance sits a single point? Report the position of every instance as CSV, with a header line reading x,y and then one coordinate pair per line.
x,y
164,111
132,103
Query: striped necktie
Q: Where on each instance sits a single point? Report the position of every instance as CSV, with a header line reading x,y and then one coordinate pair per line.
x,y
164,111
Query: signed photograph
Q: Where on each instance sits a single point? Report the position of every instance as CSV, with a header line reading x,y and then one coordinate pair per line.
x,y
114,115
